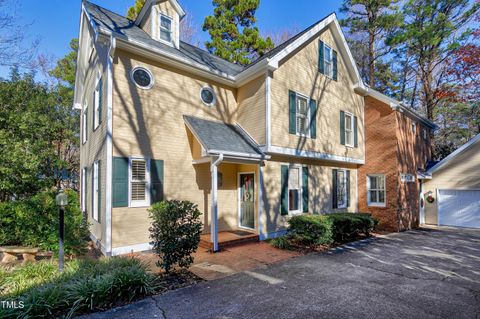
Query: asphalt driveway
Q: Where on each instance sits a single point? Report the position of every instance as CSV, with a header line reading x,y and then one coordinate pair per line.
x,y
427,273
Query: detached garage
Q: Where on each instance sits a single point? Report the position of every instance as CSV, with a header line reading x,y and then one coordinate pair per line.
x,y
452,192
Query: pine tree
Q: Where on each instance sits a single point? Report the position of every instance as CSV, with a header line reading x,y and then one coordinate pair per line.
x,y
134,10
368,22
234,36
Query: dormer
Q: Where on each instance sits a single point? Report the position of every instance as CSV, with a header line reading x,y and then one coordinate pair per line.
x,y
161,20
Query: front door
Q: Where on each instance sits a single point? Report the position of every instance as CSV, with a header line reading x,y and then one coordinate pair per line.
x,y
247,200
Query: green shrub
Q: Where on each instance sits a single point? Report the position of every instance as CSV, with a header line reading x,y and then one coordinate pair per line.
x,y
34,222
83,286
347,226
310,229
175,232
282,242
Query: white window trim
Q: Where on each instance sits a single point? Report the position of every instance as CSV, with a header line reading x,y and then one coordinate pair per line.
x,y
160,15
138,203
96,103
325,61
214,102
345,195
414,128
425,134
95,190
351,129
152,80
84,189
84,124
297,95
377,204
300,192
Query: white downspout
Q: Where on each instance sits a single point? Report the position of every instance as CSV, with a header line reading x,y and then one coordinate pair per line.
x,y
214,208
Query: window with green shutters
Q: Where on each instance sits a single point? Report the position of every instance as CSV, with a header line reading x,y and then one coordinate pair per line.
x,y
294,189
302,115
96,193
327,61
137,182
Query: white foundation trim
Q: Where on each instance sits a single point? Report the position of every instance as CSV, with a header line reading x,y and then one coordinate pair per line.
x,y
131,248
273,234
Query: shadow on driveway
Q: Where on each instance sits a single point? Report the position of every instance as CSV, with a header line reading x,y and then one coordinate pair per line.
x,y
425,273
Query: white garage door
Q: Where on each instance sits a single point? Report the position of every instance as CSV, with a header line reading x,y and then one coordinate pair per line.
x,y
459,208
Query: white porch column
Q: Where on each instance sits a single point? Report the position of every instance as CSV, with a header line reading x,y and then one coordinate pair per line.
x,y
214,208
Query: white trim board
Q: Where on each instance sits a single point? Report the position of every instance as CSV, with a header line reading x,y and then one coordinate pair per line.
x,y
450,157
272,235
312,154
131,248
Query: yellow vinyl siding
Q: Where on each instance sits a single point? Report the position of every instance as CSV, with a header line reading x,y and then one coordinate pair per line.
x,y
462,172
251,109
299,73
94,149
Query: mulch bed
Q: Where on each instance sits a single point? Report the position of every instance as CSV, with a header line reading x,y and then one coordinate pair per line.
x,y
177,279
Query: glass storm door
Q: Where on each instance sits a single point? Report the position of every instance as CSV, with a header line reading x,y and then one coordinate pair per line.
x,y
247,201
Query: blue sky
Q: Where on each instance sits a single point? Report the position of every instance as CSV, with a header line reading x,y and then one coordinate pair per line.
x,y
55,22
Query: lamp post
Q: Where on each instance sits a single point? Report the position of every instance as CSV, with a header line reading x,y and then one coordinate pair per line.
x,y
62,201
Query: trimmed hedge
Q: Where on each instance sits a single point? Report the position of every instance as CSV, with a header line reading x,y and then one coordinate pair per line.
x,y
314,230
34,222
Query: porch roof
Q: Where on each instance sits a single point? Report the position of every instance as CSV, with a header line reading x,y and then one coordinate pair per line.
x,y
222,138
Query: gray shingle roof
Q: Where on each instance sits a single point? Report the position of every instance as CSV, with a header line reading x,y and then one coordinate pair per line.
x,y
125,28
221,137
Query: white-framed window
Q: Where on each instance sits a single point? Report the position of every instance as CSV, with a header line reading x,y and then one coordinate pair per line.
x,y
414,128
376,190
85,124
302,115
341,188
328,60
294,189
96,190
165,23
349,129
208,97
84,189
142,77
139,182
97,102
407,178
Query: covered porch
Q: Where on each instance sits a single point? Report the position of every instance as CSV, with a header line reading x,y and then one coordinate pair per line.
x,y
227,163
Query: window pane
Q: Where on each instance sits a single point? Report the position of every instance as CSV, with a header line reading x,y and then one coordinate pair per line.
x,y
373,196
381,196
348,122
166,23
348,138
373,182
293,178
165,35
138,170
341,188
381,182
302,116
138,190
293,199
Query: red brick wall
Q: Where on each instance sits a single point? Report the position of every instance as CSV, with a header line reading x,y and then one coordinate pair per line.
x,y
413,153
380,158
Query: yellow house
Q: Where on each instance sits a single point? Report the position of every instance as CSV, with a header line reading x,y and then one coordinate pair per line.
x,y
250,145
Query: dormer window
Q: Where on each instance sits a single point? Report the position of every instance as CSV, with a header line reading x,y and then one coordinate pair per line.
x,y
165,28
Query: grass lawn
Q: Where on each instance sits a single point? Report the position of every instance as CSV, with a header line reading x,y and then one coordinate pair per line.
x,y
84,286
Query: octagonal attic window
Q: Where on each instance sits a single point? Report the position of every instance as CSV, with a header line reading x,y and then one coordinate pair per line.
x,y
142,78
208,96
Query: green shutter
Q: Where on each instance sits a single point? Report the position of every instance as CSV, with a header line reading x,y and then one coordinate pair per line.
x,y
284,193
355,131
292,127
99,194
313,118
334,189
120,182
305,188
342,127
100,99
156,180
334,62
348,188
321,66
